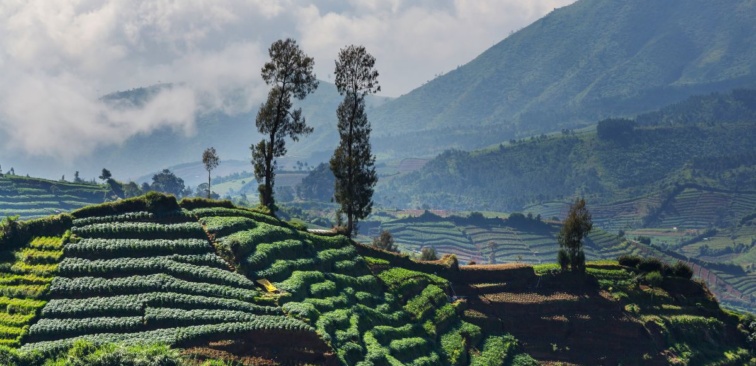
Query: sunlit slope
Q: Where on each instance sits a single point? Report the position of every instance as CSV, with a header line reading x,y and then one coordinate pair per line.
x,y
151,270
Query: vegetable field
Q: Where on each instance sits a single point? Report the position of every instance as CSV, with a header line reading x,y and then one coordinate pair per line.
x,y
33,197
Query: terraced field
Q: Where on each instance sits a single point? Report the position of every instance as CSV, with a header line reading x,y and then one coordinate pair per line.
x,y
141,277
696,208
495,243
33,197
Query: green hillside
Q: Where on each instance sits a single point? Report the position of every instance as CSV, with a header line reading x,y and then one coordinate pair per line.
x,y
33,197
580,63
619,161
120,281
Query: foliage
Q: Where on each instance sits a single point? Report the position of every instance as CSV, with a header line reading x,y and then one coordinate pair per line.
x,y
290,73
167,182
211,160
353,164
705,150
318,184
574,228
385,241
428,254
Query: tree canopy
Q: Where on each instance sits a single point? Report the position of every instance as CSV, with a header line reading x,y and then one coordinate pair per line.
x,y
211,160
352,163
290,73
575,227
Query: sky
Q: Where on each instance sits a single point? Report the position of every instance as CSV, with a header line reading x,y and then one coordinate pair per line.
x,y
57,58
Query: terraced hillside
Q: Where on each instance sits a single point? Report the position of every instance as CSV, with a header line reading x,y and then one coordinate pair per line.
x,y
494,240
613,316
148,270
33,197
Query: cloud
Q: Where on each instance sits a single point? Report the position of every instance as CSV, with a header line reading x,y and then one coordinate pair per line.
x,y
57,58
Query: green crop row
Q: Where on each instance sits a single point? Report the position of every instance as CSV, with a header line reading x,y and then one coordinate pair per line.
x,y
79,267
128,216
112,248
223,211
131,305
141,230
170,336
397,276
47,328
225,225
170,317
95,286
46,242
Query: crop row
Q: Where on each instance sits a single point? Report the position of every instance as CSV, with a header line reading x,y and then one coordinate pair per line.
x,y
46,242
222,211
530,298
96,286
167,317
112,248
47,328
225,225
141,230
175,336
78,267
129,216
132,305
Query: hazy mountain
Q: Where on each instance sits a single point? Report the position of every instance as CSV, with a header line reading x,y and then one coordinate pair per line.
x,y
230,135
581,63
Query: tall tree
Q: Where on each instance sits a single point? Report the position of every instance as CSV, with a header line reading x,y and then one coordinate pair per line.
x,y
290,74
575,227
352,163
211,160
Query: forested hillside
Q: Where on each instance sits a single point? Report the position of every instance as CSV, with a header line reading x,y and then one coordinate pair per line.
x,y
707,141
581,63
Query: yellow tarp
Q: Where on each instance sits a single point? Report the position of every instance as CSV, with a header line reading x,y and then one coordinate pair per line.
x,y
268,286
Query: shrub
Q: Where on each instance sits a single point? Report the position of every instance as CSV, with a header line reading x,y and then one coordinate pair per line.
x,y
654,278
629,260
683,270
428,254
563,259
651,265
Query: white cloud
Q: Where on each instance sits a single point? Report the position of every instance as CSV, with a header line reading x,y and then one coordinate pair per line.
x,y
58,57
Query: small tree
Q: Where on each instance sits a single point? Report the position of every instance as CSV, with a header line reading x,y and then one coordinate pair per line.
x,y
105,175
211,160
575,227
290,73
352,163
385,241
167,182
428,254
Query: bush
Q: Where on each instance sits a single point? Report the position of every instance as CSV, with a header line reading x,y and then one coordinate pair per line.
x,y
654,278
563,259
682,270
631,261
651,265
428,254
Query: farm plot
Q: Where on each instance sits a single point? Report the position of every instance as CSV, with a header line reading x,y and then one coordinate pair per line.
x,y
33,198
325,283
24,282
444,236
148,281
